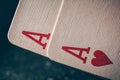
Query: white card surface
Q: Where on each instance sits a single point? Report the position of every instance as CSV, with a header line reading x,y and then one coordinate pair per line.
x,y
33,23
87,37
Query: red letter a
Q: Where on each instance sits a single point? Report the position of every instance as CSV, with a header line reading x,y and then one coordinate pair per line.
x,y
28,34
81,50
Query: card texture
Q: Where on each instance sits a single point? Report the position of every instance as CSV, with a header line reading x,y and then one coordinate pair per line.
x,y
33,23
87,37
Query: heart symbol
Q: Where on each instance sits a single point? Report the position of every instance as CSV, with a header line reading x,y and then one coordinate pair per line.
x,y
100,59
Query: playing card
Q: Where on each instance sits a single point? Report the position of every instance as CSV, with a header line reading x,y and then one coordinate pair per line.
x,y
87,37
33,23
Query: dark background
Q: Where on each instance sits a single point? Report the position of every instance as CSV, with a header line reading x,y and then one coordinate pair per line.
x,y
19,64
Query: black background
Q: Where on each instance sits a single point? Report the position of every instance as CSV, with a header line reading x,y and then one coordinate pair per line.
x,y
19,64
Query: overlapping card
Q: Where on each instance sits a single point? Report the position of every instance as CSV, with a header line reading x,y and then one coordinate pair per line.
x,y
33,23
83,34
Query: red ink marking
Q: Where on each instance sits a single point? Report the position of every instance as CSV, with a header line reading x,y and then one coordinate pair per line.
x,y
100,59
81,50
28,34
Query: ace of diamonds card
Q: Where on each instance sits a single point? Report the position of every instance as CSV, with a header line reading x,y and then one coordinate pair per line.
x,y
87,37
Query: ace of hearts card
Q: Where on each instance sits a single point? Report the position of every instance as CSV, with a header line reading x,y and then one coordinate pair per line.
x,y
87,37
